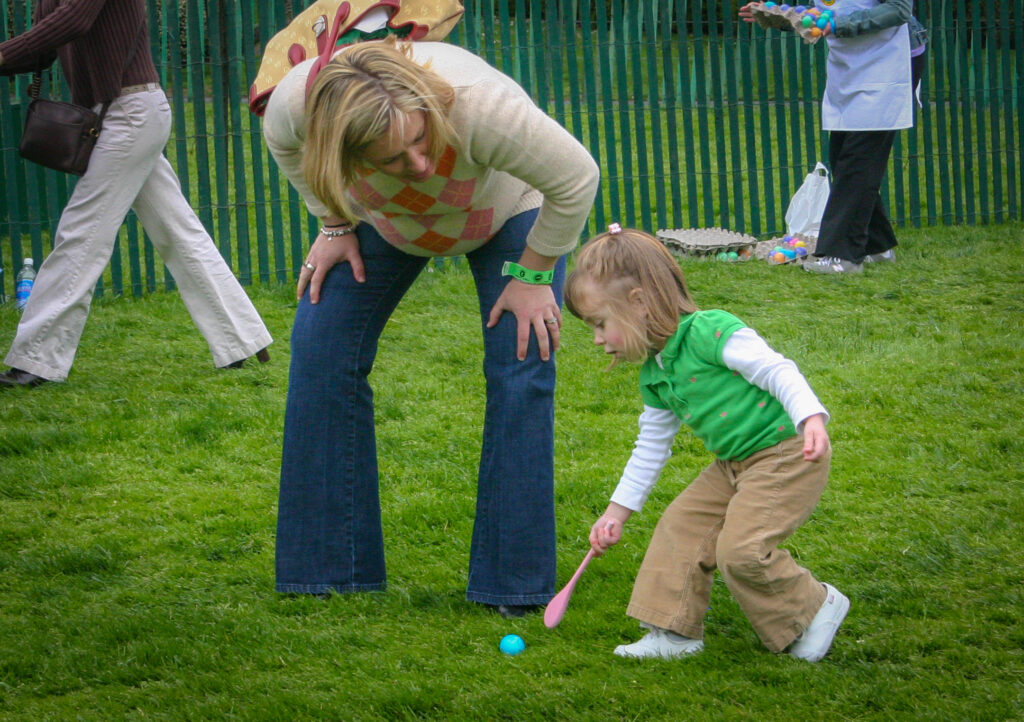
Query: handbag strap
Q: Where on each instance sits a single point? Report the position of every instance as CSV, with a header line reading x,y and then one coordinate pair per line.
x,y
37,81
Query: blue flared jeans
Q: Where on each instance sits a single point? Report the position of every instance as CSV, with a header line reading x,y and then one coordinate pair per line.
x,y
329,535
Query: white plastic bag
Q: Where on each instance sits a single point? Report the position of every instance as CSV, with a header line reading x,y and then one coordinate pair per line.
x,y
803,216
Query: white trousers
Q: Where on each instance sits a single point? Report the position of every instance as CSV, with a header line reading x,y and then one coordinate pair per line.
x,y
129,171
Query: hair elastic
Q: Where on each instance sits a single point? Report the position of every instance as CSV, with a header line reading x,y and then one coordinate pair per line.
x,y
614,228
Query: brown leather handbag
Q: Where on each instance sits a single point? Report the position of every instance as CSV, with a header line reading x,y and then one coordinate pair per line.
x,y
59,135
62,135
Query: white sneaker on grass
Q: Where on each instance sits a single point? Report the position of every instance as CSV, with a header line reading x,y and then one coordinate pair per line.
x,y
661,643
831,264
889,256
814,643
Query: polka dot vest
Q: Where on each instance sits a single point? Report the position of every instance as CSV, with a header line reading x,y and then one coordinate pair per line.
x,y
730,415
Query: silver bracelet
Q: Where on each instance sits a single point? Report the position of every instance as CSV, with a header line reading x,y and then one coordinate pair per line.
x,y
336,232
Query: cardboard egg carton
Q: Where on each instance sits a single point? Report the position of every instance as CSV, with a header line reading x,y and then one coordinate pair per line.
x,y
707,242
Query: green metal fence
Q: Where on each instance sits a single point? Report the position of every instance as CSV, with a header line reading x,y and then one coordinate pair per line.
x,y
695,118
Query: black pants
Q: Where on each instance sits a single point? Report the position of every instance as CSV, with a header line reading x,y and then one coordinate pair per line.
x,y
855,223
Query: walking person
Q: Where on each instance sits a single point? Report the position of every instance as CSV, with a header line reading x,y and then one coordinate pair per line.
x,y
875,61
103,46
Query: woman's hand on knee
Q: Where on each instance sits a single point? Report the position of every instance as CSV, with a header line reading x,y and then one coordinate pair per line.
x,y
324,254
536,310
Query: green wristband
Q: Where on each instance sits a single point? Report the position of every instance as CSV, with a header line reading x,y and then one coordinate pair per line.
x,y
526,275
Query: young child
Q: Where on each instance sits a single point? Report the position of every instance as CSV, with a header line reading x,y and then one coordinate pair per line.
x,y
754,411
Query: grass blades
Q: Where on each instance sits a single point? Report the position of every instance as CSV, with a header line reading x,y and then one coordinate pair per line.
x,y
137,517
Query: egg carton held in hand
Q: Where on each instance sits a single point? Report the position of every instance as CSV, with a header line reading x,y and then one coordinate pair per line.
x,y
807,22
771,15
725,245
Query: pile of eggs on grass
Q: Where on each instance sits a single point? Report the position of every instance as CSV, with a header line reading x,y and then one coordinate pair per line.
x,y
742,254
788,250
813,18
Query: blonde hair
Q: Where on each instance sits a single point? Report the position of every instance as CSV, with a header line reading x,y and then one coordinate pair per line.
x,y
358,98
612,271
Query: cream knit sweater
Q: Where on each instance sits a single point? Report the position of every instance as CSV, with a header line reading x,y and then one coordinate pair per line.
x,y
509,157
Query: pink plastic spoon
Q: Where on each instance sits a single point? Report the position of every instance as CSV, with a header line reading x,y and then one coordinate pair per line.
x,y
555,610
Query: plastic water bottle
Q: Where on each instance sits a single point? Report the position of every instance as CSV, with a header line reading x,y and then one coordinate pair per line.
x,y
26,277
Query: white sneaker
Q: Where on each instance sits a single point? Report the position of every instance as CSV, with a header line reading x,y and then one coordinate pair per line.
x,y
814,643
831,264
661,643
889,256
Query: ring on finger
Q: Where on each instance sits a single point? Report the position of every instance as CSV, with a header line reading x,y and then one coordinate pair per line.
x,y
309,265
551,321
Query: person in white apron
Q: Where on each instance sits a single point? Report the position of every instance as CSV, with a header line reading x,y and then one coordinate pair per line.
x,y
868,97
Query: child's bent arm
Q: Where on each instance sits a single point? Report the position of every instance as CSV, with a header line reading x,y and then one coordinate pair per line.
x,y
762,366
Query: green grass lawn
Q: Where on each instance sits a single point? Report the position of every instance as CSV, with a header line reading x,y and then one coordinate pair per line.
x,y
137,513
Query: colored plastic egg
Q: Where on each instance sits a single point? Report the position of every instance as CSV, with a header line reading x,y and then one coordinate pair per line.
x,y
512,644
801,251
779,257
807,21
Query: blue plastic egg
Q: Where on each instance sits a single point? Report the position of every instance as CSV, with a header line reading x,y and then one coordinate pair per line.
x,y
512,644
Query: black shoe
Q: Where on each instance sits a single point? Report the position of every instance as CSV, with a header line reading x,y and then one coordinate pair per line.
x,y
262,356
16,377
516,611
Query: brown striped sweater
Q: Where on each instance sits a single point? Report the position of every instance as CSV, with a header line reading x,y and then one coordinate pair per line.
x,y
93,38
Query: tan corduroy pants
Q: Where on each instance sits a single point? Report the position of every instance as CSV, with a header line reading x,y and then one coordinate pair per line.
x,y
732,517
